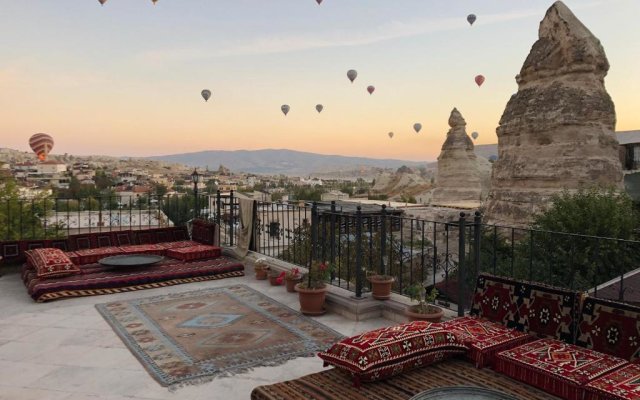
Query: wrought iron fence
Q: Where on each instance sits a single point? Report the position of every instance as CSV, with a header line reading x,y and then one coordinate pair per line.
x,y
49,217
446,255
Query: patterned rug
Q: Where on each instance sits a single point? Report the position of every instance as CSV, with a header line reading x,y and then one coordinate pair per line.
x,y
196,336
333,384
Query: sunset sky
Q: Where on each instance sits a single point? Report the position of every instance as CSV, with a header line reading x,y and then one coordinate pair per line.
x,y
124,79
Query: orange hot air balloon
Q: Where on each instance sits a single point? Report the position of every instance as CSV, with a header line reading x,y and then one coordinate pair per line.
x,y
371,89
479,80
41,144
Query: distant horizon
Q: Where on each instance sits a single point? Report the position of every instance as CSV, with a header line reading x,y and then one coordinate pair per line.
x,y
131,83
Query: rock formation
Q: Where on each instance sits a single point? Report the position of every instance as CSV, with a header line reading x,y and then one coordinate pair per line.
x,y
557,131
461,177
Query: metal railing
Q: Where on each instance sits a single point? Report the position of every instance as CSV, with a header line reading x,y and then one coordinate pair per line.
x,y
447,255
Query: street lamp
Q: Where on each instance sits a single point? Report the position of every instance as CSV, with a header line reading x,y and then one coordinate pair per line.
x,y
195,178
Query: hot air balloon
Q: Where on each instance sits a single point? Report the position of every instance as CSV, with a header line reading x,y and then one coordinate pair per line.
x,y
102,2
206,93
475,135
390,135
319,107
471,18
285,109
417,127
319,2
479,80
352,74
371,89
41,144
154,2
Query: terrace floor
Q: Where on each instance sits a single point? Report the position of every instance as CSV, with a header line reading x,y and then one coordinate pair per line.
x,y
64,350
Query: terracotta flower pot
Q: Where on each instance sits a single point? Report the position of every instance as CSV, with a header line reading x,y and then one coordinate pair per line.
x,y
414,314
381,286
291,284
273,279
261,273
311,300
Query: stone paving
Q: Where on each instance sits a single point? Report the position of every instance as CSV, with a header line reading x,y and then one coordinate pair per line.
x,y
64,350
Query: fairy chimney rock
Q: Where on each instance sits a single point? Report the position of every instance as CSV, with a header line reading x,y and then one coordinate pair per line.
x,y
460,173
557,131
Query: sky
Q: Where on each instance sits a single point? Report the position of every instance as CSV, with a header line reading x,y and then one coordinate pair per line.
x,y
124,79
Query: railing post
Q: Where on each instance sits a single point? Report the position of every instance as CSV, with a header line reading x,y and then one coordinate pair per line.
x,y
359,278
314,232
383,238
477,238
462,291
332,227
231,219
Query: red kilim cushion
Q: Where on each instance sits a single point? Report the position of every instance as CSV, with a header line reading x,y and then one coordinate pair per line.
x,y
497,299
73,256
485,338
143,249
548,312
389,351
50,262
178,244
623,383
90,256
610,327
556,367
199,252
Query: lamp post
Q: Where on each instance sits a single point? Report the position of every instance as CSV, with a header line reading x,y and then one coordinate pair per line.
x,y
195,178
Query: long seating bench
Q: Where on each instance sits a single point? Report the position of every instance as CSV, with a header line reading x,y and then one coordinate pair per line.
x,y
71,268
560,341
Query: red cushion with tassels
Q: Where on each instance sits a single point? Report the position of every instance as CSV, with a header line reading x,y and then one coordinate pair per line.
x,y
389,351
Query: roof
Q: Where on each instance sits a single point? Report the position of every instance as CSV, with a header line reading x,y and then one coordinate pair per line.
x,y
624,137
628,137
611,289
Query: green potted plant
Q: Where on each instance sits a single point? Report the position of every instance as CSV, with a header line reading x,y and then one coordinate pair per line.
x,y
423,310
312,288
380,285
292,278
261,269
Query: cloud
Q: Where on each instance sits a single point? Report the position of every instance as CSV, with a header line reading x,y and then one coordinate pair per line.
x,y
287,43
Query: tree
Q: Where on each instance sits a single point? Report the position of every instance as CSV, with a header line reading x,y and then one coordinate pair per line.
x,y
24,218
606,218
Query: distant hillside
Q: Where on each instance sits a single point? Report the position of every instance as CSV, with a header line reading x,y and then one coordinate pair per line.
x,y
287,162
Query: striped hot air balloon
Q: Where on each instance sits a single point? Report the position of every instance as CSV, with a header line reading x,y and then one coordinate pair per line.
x,y
41,144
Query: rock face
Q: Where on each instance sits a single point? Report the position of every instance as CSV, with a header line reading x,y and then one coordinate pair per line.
x,y
557,131
461,176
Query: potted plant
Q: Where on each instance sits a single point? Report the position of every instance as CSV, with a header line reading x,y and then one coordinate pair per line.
x,y
276,278
312,289
380,285
292,278
261,269
423,310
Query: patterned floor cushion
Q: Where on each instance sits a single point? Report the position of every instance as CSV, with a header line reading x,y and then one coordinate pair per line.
x,y
623,383
548,312
97,279
497,299
90,256
143,249
199,252
178,244
50,263
556,367
389,351
485,338
610,327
